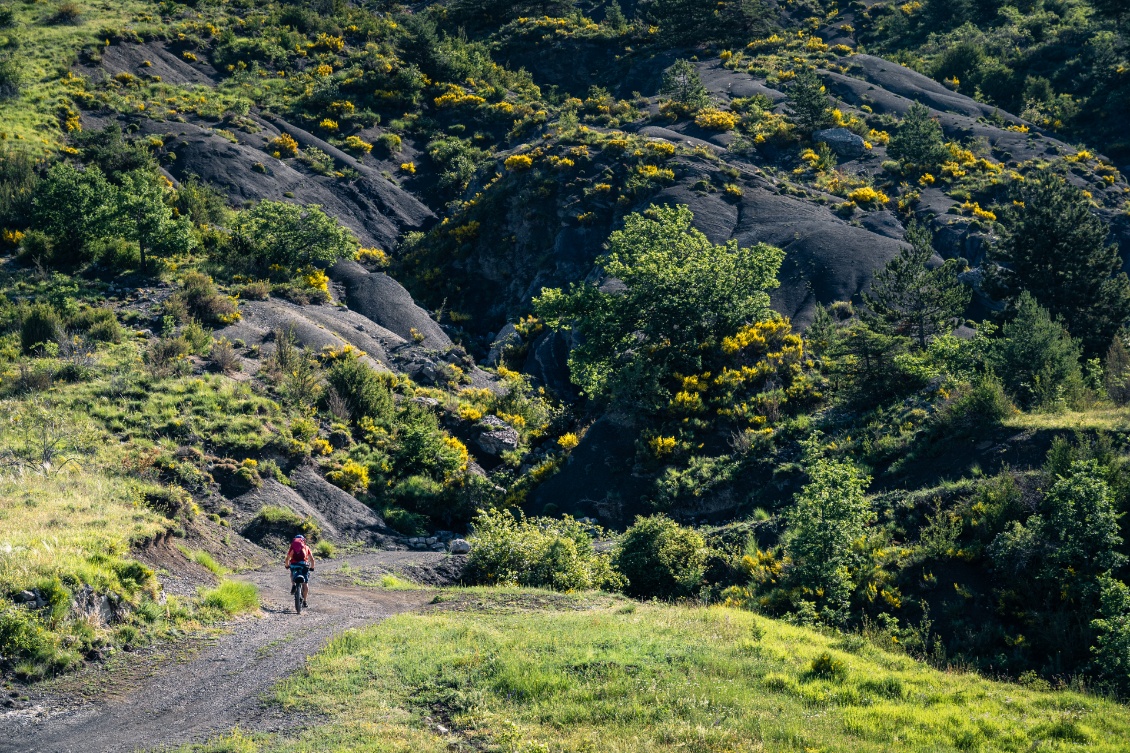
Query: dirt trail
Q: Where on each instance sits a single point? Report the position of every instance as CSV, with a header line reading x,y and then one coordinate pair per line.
x,y
221,685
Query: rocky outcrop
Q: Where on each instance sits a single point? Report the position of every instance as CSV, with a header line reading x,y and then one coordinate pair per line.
x,y
385,301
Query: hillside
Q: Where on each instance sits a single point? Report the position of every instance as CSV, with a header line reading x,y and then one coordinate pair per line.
x,y
808,309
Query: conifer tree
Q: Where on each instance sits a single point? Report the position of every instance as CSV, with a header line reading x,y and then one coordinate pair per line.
x,y
812,109
1116,370
1056,248
919,140
907,298
683,86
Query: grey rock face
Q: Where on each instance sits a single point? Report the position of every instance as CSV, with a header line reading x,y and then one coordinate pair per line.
x,y
459,546
499,437
843,142
507,337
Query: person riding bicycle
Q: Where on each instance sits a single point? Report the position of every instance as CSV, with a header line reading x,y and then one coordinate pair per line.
x,y
300,559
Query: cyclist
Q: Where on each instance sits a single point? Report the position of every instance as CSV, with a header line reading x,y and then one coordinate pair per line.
x,y
300,560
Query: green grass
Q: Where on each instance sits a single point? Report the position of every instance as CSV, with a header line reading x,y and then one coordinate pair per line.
x,y
232,597
205,560
1103,418
650,677
325,550
45,54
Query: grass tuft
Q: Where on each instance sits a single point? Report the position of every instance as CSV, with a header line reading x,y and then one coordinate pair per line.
x,y
233,597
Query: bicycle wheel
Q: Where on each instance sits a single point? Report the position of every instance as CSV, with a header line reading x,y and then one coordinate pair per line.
x,y
298,598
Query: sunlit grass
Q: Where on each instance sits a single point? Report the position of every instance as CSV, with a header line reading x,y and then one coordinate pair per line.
x,y
1105,418
623,677
45,52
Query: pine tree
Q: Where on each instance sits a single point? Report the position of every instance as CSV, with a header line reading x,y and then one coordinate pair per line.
x,y
1056,248
614,16
1116,370
812,109
907,298
919,140
683,86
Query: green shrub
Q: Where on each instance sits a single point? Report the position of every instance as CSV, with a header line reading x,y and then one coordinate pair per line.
x,y
404,521
285,521
827,667
7,16
390,142
276,233
232,597
978,406
98,324
11,77
660,559
362,389
536,552
39,325
325,550
919,140
199,296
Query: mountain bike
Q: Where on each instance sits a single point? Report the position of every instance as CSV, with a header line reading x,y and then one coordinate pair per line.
x,y
299,576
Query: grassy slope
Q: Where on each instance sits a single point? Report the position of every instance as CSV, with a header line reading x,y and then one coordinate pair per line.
x,y
612,676
46,52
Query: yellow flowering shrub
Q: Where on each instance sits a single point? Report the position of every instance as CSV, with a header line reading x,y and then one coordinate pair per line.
x,y
516,162
661,446
356,144
716,120
350,477
568,441
328,124
372,256
868,195
408,167
283,145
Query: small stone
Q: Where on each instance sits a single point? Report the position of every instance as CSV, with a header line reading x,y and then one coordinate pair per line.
x,y
430,540
25,596
459,546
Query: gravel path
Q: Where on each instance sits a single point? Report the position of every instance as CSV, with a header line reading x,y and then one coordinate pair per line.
x,y
221,684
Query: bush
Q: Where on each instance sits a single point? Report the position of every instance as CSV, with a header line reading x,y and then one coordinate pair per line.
x,y
390,142
224,356
362,389
99,324
325,550
7,16
260,290
199,296
536,552
660,559
11,77
39,325
285,521
919,140
233,597
67,13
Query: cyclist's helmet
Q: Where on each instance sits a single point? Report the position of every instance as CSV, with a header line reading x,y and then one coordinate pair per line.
x,y
299,537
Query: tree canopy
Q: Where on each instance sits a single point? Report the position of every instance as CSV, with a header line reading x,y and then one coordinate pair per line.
x,y
1056,249
668,294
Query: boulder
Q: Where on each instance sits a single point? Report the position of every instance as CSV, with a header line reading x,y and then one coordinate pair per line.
x,y
507,337
498,436
459,546
843,142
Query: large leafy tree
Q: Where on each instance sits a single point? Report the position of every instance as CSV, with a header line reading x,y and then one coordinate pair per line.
x,y
669,295
830,515
74,207
1056,249
910,299
142,215
290,236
